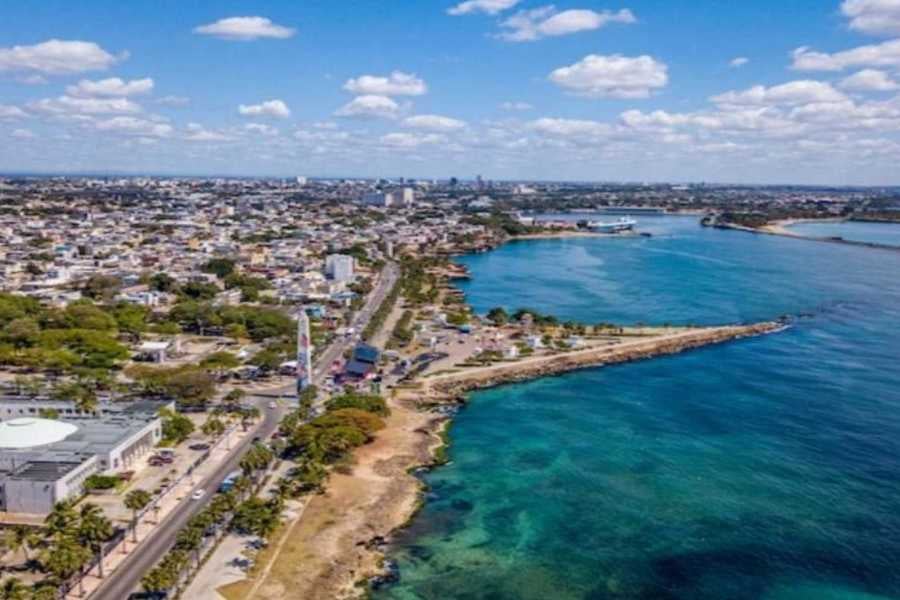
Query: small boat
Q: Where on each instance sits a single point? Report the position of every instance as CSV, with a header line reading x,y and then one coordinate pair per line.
x,y
623,224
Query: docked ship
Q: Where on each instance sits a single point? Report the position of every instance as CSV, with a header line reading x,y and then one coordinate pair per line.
x,y
619,226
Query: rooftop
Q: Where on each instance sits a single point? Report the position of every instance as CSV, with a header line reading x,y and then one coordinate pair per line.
x,y
30,432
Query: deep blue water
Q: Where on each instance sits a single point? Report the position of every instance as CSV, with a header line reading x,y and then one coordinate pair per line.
x,y
766,468
878,233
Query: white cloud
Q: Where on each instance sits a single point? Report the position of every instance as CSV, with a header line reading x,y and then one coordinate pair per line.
x,y
869,80
261,129
270,108
614,76
434,123
793,92
886,54
531,25
135,126
173,101
64,105
879,17
370,106
57,57
516,106
111,87
490,7
11,112
321,136
245,29
23,134
198,133
738,62
410,140
571,128
397,83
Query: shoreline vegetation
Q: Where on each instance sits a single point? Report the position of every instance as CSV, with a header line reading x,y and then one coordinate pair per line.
x,y
340,546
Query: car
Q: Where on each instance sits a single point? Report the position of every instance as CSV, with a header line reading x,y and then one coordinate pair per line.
x,y
199,446
273,404
198,494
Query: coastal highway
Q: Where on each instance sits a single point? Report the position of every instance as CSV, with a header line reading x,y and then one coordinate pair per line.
x,y
127,577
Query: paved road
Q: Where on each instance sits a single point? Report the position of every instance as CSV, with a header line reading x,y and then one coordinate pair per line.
x,y
127,577
336,349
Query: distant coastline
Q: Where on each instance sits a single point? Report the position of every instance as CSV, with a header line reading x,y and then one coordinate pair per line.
x,y
782,228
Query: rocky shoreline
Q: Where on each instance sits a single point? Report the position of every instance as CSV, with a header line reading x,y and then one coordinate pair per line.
x,y
453,387
451,391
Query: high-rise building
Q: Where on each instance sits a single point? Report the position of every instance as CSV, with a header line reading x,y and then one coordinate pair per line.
x,y
405,196
304,352
339,267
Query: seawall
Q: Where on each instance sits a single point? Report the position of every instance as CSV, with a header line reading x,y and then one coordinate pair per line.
x,y
452,386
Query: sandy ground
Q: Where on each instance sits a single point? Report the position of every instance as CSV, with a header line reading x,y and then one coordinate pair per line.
x,y
783,227
325,552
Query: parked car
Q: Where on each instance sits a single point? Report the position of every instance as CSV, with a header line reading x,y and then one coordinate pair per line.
x,y
198,447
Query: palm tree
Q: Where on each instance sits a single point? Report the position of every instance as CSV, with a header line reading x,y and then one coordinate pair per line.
x,y
13,589
213,427
242,486
62,519
95,529
136,500
21,537
65,557
44,591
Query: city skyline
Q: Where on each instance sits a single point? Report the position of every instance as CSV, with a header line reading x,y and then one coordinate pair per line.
x,y
511,89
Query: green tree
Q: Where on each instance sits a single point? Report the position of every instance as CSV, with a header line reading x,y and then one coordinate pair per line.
x,y
101,287
65,557
44,591
175,427
136,500
498,316
163,282
21,537
220,361
62,519
213,427
13,589
84,396
220,267
235,396
22,333
93,530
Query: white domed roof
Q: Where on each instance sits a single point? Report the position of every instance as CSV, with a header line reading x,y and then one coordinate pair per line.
x,y
29,432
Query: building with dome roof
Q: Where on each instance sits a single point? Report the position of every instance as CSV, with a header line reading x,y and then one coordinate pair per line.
x,y
44,461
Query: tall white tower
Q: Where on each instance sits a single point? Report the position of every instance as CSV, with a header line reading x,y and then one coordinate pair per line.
x,y
304,352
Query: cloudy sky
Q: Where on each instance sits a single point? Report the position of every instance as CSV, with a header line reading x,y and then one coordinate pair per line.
x,y
768,91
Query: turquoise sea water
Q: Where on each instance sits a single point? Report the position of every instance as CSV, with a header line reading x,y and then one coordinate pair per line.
x,y
878,233
766,468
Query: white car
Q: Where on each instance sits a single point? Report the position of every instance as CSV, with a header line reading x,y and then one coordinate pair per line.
x,y
198,494
273,405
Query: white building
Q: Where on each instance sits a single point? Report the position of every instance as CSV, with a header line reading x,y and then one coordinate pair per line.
x,y
44,461
402,197
339,267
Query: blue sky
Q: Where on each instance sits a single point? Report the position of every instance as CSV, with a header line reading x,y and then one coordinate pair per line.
x,y
633,91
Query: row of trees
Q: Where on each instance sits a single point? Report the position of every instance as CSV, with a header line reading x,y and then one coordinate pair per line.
x,y
70,540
